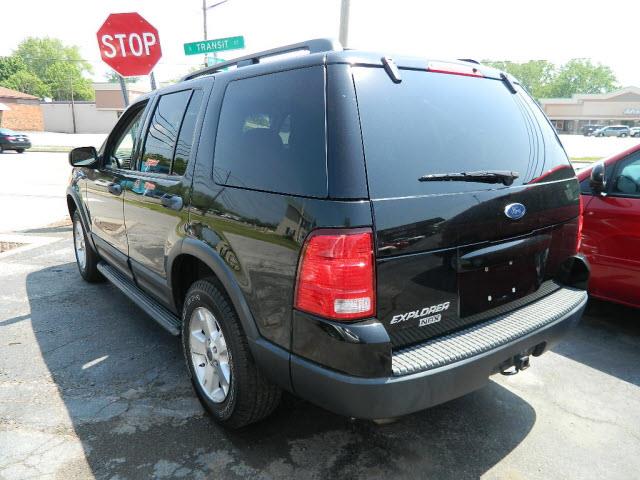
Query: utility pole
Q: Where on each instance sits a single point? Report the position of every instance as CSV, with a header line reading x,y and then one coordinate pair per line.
x,y
73,107
204,23
344,22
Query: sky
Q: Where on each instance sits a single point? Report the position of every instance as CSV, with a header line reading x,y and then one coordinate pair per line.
x,y
481,29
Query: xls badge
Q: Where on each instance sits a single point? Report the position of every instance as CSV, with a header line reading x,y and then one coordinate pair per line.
x,y
426,315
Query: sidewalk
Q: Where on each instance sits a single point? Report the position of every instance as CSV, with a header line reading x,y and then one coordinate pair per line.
x,y
63,142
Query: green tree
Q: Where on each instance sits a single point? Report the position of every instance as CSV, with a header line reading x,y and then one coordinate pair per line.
x,y
9,66
27,82
63,80
580,75
543,79
535,75
58,67
113,77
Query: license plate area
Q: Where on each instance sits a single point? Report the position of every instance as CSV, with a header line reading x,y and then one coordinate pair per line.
x,y
500,273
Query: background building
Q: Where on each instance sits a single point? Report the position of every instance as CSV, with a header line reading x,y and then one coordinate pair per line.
x,y
19,111
90,117
569,115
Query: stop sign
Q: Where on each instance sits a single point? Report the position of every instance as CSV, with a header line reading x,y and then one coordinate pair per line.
x,y
129,44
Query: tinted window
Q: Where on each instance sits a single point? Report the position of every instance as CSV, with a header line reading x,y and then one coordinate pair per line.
x,y
163,132
439,123
185,139
626,181
126,141
271,134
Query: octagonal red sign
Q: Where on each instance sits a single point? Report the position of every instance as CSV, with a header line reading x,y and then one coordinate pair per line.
x,y
129,44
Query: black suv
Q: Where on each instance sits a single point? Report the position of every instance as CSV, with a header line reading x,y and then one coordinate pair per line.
x,y
376,236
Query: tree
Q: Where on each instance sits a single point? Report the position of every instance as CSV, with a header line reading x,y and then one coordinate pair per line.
x,y
580,75
63,80
535,75
27,82
10,66
543,79
47,67
113,77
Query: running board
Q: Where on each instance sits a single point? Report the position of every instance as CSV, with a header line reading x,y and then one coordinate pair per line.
x,y
164,317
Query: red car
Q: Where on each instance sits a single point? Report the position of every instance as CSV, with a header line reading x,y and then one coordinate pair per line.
x,y
611,229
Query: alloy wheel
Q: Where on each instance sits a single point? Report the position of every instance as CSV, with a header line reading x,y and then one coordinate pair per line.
x,y
209,355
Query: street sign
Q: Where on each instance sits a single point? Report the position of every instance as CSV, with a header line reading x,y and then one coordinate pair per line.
x,y
129,44
217,45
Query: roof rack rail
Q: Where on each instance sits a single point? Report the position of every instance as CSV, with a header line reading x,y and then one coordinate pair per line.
x,y
470,60
317,45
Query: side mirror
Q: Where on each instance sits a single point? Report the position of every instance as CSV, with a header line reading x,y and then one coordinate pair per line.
x,y
83,157
598,181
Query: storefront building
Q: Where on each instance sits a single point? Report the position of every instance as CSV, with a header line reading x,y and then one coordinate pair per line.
x,y
570,115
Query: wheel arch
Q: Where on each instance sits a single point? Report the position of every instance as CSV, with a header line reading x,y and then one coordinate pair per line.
x,y
194,260
74,203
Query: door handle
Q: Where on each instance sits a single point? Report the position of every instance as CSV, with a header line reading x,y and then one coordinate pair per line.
x,y
173,202
114,188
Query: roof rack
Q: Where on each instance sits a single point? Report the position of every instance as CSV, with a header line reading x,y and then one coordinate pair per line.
x,y
317,45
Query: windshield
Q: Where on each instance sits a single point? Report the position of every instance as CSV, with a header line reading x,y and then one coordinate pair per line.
x,y
6,131
434,123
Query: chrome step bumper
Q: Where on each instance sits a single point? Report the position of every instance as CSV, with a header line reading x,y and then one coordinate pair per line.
x,y
486,336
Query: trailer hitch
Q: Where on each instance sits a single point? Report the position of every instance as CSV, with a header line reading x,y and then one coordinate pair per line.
x,y
519,362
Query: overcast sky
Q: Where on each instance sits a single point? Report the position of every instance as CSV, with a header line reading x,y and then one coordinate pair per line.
x,y
606,32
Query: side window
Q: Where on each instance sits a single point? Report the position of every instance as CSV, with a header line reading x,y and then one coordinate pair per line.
x,y
125,144
185,139
626,180
271,134
163,132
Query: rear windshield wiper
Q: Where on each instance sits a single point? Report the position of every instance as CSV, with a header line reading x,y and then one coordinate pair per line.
x,y
505,177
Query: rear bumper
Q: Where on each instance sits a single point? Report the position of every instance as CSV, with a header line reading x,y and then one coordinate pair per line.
x,y
392,396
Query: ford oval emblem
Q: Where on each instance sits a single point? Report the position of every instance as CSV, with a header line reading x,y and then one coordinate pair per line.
x,y
515,211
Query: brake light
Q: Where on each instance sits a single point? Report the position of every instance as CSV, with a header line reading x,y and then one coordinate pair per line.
x,y
336,274
580,223
10,138
454,69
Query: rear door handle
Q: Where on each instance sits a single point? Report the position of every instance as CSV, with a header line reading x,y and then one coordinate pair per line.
x,y
173,202
114,188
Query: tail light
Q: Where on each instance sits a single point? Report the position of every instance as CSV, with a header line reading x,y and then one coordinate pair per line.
x,y
336,275
580,223
10,138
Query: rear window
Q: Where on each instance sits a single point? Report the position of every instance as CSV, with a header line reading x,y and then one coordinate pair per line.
x,y
439,123
271,134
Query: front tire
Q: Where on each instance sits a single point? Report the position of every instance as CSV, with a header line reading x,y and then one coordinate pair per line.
x,y
222,370
86,258
20,150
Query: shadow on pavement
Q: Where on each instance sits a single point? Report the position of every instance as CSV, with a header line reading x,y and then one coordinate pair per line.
x,y
124,386
604,325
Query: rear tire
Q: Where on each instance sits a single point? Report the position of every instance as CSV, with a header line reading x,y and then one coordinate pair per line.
x,y
86,259
223,373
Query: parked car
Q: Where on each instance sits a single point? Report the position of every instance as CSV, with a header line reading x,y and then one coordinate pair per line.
x,y
375,257
634,132
10,140
588,130
613,131
611,230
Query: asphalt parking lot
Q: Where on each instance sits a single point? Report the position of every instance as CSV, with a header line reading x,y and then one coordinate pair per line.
x,y
91,387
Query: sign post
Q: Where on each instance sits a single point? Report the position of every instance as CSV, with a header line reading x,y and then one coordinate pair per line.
x,y
212,46
130,45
